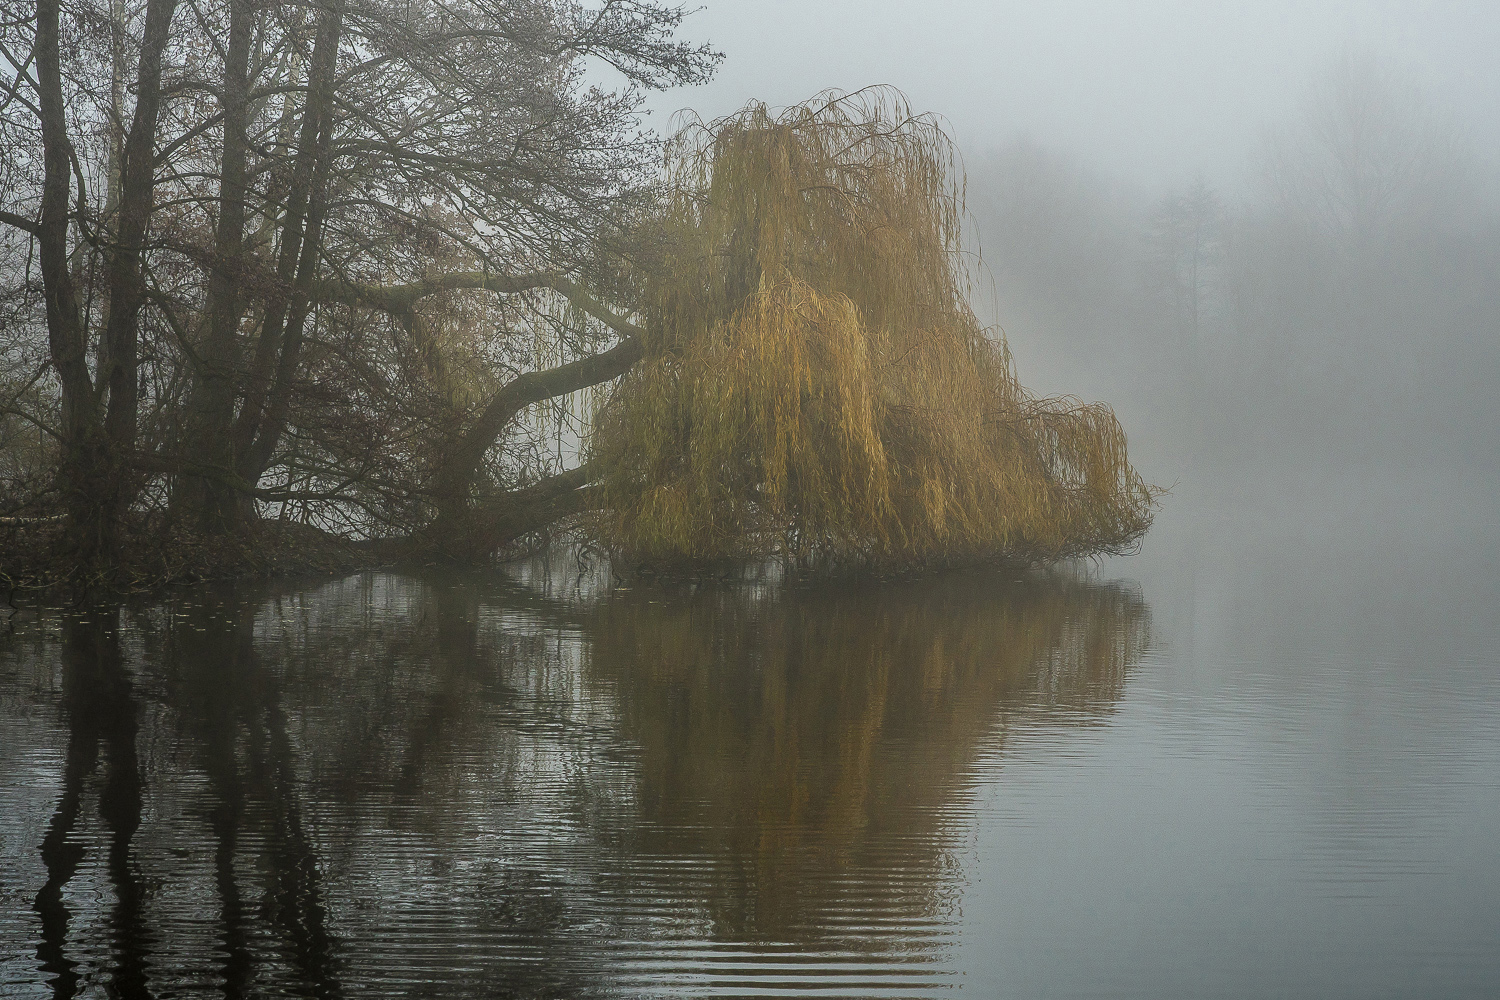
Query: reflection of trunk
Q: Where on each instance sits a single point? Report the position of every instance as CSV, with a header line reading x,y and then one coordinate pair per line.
x,y
60,853
228,693
120,807
217,689
100,706
457,662
297,895
226,817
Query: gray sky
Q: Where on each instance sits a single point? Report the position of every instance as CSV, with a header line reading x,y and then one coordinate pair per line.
x,y
1155,91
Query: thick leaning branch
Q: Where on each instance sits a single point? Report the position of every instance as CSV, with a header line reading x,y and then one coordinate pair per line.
x,y
533,387
552,487
21,222
454,478
519,521
538,505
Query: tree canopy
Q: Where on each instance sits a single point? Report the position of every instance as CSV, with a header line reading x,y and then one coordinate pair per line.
x,y
816,383
260,254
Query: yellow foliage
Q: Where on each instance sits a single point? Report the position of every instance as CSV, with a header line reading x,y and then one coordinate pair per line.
x,y
817,386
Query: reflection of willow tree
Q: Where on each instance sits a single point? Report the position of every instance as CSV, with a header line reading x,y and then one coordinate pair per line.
x,y
814,742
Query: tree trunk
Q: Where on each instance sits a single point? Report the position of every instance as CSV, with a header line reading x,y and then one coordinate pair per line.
x,y
82,435
211,406
263,416
95,447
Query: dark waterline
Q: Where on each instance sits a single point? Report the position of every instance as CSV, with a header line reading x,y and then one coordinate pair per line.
x,y
1253,760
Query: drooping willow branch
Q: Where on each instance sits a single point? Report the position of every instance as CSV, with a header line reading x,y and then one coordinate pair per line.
x,y
818,385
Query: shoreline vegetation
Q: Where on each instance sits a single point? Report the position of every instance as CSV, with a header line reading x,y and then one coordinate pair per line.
x,y
151,560
271,339
151,563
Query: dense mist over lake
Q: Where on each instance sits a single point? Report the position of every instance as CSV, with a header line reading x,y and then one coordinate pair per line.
x,y
1344,310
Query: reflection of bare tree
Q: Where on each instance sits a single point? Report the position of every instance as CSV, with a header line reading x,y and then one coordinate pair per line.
x,y
415,738
231,704
100,706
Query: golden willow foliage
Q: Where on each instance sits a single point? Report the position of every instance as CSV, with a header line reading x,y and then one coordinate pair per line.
x,y
817,386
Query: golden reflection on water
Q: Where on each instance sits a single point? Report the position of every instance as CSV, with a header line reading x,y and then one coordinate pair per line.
x,y
810,734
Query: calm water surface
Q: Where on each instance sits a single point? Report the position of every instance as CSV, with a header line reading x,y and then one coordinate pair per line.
x,y
1262,758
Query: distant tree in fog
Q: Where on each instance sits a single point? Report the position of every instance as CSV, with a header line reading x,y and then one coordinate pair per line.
x,y
1367,153
1365,293
1185,248
1351,296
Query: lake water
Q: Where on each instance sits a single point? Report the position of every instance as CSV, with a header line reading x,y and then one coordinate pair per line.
x,y
1260,758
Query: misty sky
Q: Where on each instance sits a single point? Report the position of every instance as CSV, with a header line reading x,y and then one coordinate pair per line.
x,y
1155,92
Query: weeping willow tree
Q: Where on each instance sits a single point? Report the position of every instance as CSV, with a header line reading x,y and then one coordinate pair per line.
x,y
816,385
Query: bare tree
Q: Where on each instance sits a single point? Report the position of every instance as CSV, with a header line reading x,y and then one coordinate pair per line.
x,y
1367,152
1185,238
291,175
